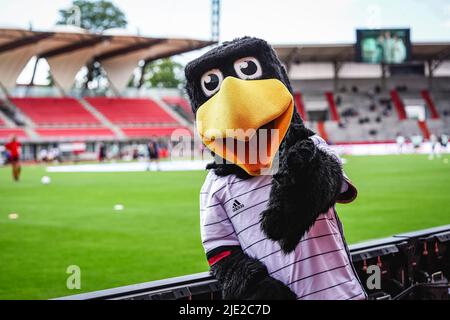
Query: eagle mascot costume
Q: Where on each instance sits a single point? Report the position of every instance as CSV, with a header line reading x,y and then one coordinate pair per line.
x,y
268,224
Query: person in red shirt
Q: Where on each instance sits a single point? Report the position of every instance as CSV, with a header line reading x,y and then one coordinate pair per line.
x,y
13,148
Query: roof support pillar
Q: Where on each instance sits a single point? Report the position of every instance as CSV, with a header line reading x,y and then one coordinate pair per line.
x,y
141,77
3,91
33,75
291,59
431,69
383,75
337,65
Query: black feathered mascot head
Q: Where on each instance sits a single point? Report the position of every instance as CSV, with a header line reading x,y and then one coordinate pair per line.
x,y
241,85
246,115
236,90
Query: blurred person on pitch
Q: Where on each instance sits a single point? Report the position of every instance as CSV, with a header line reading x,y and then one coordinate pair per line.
x,y
115,152
417,142
14,149
434,146
102,152
443,140
400,140
153,154
42,155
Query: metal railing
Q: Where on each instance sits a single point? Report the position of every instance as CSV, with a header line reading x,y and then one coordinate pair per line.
x,y
402,258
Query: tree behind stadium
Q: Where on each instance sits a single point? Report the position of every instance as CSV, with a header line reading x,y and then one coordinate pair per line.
x,y
95,16
162,73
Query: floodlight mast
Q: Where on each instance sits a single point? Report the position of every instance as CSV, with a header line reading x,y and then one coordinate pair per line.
x,y
75,16
215,20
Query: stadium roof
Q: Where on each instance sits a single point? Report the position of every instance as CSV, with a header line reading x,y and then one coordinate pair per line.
x,y
68,48
425,51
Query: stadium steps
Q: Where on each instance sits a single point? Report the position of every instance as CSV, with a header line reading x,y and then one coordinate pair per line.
x,y
332,106
31,132
426,96
5,122
180,105
398,103
29,125
322,131
103,120
174,114
436,126
300,105
23,117
424,128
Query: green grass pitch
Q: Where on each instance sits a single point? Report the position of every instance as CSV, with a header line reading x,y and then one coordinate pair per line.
x,y
72,221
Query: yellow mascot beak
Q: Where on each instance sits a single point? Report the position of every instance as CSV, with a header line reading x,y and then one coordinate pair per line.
x,y
245,122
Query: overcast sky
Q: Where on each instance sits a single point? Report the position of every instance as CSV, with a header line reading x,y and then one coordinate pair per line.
x,y
278,21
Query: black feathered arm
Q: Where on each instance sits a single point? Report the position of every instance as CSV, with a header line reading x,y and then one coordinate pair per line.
x,y
246,278
307,183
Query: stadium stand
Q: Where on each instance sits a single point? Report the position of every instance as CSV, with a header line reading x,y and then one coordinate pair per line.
x,y
61,133
153,131
366,102
344,117
358,117
67,118
436,126
343,106
442,103
6,133
180,105
47,115
131,111
55,111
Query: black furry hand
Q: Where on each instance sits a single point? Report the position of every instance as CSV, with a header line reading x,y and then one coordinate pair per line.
x,y
307,183
271,289
243,277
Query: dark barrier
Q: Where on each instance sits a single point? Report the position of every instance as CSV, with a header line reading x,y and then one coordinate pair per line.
x,y
414,265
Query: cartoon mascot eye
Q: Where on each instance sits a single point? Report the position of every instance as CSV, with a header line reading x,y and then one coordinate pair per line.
x,y
248,68
211,81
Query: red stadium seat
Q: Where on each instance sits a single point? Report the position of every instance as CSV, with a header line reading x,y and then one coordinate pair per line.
x,y
131,111
7,133
178,101
153,131
75,132
55,111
